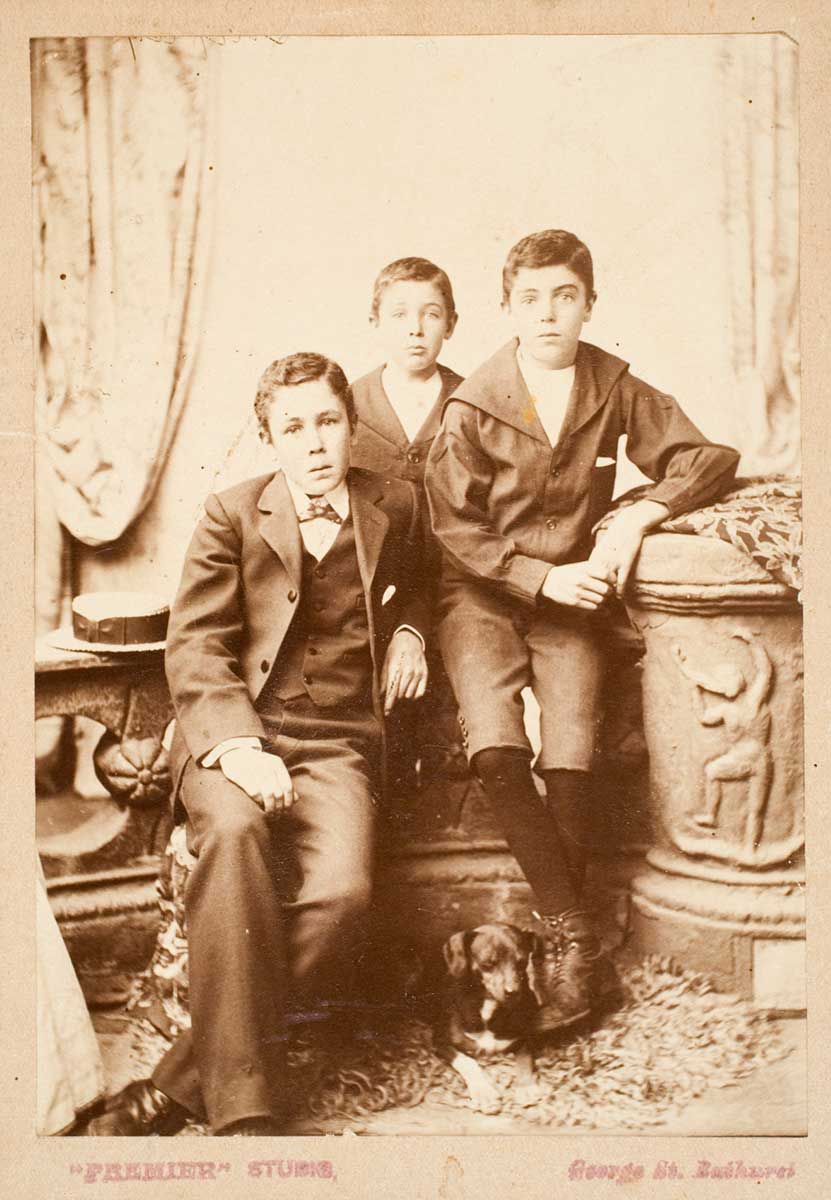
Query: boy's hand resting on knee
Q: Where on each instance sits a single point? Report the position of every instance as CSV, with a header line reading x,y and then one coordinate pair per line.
x,y
578,585
404,675
261,775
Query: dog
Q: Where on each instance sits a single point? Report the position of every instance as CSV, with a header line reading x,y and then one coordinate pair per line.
x,y
488,1004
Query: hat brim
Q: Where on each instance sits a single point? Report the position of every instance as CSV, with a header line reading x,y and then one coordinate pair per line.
x,y
64,639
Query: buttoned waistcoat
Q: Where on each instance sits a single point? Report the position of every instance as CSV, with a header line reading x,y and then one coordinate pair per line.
x,y
241,588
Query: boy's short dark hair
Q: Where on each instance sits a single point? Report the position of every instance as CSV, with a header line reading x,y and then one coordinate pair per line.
x,y
420,269
550,248
304,367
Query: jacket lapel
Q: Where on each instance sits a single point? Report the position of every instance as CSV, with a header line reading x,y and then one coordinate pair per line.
x,y
498,388
449,382
594,378
278,525
375,410
371,525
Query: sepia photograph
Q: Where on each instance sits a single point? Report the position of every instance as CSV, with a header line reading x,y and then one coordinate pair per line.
x,y
418,592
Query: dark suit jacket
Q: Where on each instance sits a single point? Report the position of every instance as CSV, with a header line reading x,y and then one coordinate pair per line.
x,y
506,504
240,590
380,442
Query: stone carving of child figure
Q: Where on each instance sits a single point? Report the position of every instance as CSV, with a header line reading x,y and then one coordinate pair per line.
x,y
743,712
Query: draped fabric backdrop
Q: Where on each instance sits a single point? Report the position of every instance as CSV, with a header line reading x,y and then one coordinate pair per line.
x,y
123,162
760,88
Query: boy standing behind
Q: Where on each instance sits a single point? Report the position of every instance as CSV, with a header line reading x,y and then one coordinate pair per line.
x,y
521,470
399,406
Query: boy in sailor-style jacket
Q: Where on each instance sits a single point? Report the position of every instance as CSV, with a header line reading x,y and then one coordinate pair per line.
x,y
297,626
519,473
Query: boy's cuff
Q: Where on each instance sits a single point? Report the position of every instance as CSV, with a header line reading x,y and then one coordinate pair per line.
x,y
410,629
236,743
526,575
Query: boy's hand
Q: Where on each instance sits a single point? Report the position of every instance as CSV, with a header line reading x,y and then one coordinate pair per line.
x,y
578,585
261,775
404,675
617,547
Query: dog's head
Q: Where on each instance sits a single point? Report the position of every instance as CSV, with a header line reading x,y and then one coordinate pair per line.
x,y
499,957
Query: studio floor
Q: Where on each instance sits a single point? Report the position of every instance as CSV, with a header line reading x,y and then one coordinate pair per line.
x,y
771,1100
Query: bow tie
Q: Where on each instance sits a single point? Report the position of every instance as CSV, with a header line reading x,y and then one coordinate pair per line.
x,y
318,507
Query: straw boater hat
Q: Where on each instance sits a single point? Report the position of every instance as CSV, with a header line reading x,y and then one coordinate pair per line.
x,y
114,623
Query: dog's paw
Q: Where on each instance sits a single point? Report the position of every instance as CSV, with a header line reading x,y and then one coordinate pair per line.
x,y
528,1094
485,1098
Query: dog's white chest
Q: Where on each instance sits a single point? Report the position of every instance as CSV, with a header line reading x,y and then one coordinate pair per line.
x,y
485,1040
486,1043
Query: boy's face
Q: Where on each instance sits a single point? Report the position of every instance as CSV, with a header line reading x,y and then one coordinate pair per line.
x,y
310,434
548,307
412,324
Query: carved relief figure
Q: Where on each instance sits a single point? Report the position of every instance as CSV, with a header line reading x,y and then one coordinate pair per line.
x,y
726,697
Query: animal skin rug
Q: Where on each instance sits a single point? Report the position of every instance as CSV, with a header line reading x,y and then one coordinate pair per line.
x,y
672,1039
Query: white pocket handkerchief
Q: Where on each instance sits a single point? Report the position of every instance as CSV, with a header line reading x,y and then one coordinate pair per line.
x,y
605,462
388,594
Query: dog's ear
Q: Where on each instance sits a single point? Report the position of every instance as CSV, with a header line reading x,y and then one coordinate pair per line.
x,y
534,949
456,952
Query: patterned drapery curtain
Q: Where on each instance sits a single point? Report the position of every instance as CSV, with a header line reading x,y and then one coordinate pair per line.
x,y
760,97
123,162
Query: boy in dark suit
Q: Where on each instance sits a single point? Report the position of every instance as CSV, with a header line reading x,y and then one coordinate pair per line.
x,y
399,404
522,469
399,407
297,625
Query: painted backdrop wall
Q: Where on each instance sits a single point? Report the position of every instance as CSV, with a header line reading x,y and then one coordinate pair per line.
x,y
337,155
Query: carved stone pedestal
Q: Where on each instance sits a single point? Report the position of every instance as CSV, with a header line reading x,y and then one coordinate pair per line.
x,y
723,886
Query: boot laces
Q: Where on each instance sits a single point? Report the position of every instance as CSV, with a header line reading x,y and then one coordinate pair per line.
x,y
564,937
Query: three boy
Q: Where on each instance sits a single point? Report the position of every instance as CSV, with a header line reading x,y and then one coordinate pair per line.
x,y
302,604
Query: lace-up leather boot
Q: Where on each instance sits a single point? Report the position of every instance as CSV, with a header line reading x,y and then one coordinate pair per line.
x,y
575,976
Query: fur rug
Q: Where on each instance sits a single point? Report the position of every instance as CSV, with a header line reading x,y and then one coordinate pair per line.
x,y
672,1039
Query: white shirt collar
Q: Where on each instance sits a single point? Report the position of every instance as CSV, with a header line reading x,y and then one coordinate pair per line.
x,y
338,498
411,399
528,367
398,379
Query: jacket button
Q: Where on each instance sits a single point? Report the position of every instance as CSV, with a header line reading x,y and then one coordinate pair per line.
x,y
292,595
318,606
555,471
313,650
552,522
307,679
414,456
320,572
264,666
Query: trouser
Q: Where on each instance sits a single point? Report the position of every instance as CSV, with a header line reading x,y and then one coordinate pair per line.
x,y
423,737
493,648
273,908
